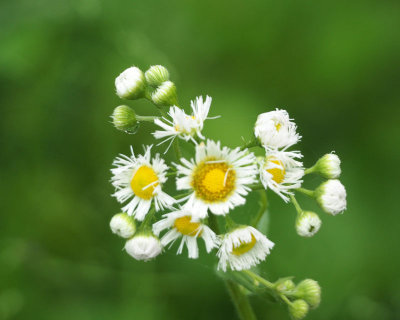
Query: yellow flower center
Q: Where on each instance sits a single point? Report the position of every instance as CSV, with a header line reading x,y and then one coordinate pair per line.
x,y
185,226
214,181
244,247
278,126
144,182
278,174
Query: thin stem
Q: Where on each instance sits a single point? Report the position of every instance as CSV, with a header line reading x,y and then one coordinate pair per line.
x,y
213,222
260,279
307,192
177,149
250,144
263,208
146,118
296,204
183,195
309,170
171,174
240,300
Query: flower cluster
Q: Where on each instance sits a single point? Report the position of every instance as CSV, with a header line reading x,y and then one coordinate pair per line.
x,y
210,183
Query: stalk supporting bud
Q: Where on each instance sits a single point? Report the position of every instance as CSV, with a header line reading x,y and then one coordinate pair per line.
x,y
156,75
125,119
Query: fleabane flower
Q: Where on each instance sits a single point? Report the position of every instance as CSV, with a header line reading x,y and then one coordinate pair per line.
x,y
281,172
308,224
275,129
218,178
182,225
144,246
331,196
123,225
140,179
243,248
182,125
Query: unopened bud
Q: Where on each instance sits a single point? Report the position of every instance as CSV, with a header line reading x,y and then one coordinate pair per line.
x,y
285,285
165,94
123,225
131,84
308,224
310,291
298,309
328,166
156,75
143,247
331,196
124,119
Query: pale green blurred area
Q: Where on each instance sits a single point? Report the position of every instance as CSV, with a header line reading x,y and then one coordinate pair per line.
x,y
333,65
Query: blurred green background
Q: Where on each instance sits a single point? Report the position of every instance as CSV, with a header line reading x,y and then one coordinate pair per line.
x,y
334,65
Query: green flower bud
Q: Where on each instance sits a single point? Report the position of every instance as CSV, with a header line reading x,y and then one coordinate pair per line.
x,y
156,75
285,285
308,224
298,309
328,166
124,119
131,84
310,291
123,225
165,94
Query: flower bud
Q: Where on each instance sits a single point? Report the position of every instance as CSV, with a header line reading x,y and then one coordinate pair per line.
x,y
124,119
130,84
331,196
307,224
165,94
143,247
298,309
156,75
285,285
328,166
123,225
310,291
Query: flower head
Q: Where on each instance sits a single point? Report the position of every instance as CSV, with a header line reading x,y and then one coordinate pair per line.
x,y
218,178
275,130
143,247
182,125
123,225
331,196
165,94
124,119
140,179
281,172
310,291
130,84
182,225
298,309
156,75
243,248
308,224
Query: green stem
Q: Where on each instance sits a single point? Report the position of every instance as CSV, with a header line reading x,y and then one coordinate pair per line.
x,y
251,144
256,186
212,221
309,170
259,279
296,204
177,149
263,208
240,300
146,118
307,192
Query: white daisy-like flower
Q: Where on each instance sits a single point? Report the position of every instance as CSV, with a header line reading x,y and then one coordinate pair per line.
x,y
140,179
331,196
130,84
123,225
182,125
243,248
218,179
281,172
308,224
143,247
182,224
276,130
